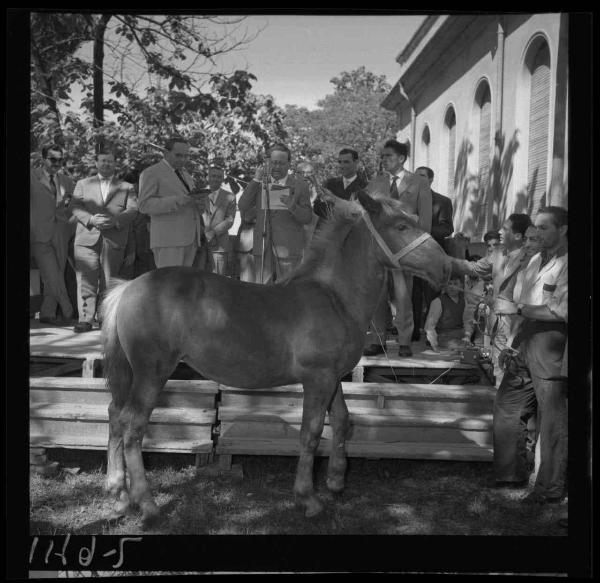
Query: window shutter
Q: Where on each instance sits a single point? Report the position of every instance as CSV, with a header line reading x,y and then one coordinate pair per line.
x,y
451,151
485,124
539,118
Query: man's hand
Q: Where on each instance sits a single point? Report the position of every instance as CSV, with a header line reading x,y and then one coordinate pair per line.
x,y
183,200
102,221
286,199
505,357
129,259
258,175
504,307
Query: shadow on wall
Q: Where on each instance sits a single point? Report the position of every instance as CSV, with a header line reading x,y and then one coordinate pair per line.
x,y
471,213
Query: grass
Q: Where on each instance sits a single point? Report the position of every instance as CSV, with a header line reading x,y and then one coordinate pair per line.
x,y
382,497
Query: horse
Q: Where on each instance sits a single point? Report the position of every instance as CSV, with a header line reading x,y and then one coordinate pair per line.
x,y
307,328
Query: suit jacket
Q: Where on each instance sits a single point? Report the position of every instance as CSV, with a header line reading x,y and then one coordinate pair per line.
x,y
46,218
121,203
170,225
441,217
286,226
336,186
221,220
414,195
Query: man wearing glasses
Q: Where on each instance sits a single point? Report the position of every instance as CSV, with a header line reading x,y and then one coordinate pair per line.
x,y
50,192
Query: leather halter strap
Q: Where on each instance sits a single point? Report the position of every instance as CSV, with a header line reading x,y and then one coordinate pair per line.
x,y
393,257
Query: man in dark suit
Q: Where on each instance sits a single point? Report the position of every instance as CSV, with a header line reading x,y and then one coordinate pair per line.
x,y
104,207
50,192
441,227
345,186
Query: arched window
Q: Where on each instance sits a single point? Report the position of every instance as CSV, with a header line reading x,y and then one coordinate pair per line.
x,y
539,121
450,123
425,141
484,109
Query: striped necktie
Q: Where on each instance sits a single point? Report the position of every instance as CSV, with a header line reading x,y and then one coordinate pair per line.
x,y
394,188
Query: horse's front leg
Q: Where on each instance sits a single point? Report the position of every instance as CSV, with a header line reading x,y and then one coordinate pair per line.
x,y
317,395
339,420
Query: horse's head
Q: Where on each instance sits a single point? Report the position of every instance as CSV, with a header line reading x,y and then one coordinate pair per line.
x,y
399,242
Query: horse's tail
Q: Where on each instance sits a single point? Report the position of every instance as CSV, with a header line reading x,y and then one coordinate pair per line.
x,y
117,370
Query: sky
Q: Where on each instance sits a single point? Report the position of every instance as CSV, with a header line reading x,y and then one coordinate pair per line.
x,y
294,56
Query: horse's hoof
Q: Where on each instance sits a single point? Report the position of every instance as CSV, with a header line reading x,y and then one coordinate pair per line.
x,y
336,487
313,507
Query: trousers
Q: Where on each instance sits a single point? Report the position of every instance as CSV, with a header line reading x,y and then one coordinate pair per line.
x,y
530,387
274,270
51,259
94,268
175,256
401,299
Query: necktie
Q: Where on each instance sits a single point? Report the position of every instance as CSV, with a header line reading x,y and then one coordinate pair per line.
x,y
394,188
53,185
180,176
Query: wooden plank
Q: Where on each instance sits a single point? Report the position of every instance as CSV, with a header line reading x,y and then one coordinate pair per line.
x,y
191,446
82,384
87,412
437,451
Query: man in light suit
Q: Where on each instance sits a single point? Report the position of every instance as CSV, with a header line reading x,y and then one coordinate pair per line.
x,y
218,216
104,207
534,382
284,241
414,194
441,227
49,229
165,193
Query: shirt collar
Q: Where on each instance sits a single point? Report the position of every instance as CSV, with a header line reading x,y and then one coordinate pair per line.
x,y
105,178
48,173
399,174
349,180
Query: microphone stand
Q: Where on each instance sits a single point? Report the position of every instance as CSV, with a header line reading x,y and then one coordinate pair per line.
x,y
265,188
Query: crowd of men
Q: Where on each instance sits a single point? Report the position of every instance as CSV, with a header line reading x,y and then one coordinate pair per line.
x,y
104,227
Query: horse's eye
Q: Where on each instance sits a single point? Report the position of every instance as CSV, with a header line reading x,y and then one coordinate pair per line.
x,y
400,227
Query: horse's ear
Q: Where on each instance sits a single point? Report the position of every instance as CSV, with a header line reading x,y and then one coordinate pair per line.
x,y
370,204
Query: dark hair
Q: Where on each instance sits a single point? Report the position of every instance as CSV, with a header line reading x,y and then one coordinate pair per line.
x,y
519,223
349,151
280,148
429,171
491,235
560,215
474,257
51,147
174,140
106,152
400,149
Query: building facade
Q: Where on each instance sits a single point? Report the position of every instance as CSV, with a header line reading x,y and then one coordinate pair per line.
x,y
483,101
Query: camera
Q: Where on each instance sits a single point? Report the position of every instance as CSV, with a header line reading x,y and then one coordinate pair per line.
x,y
475,355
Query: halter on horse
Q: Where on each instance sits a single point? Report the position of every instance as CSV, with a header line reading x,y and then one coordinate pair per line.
x,y
308,328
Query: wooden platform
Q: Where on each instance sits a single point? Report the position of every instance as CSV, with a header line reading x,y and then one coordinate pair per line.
x,y
73,413
63,345
446,422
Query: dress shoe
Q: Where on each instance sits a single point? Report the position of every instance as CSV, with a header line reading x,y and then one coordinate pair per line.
x,y
82,327
404,350
372,350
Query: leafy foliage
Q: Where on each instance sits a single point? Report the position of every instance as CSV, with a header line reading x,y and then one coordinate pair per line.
x,y
349,117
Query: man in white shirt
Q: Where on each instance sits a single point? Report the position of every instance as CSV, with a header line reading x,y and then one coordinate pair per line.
x,y
104,207
534,381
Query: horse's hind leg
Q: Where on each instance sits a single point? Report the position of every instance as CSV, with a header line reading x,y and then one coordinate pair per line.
x,y
134,419
115,474
317,395
339,420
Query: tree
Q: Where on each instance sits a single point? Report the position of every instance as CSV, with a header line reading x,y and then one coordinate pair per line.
x,y
349,117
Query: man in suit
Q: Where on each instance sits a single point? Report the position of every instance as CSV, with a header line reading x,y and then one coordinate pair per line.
x,y
218,216
165,193
414,194
345,186
283,226
441,227
50,192
104,207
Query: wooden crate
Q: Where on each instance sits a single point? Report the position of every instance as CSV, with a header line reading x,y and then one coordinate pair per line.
x,y
451,422
73,413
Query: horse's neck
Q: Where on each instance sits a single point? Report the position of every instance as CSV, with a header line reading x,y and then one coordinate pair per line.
x,y
355,274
